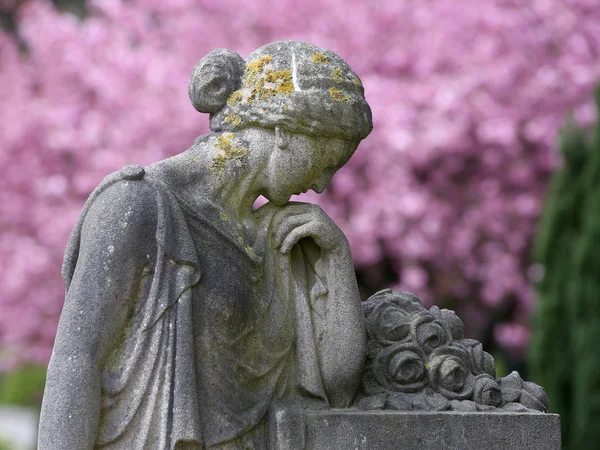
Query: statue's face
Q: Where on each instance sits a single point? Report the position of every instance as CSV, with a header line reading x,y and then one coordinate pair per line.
x,y
308,162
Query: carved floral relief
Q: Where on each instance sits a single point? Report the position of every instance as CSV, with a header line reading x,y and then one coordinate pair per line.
x,y
419,359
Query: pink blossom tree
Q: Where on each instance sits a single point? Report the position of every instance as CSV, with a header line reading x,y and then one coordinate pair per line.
x,y
442,199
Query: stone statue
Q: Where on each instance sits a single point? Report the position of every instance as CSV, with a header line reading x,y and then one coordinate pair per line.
x,y
188,312
194,321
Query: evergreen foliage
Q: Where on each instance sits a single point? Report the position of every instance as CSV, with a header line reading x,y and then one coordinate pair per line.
x,y
565,356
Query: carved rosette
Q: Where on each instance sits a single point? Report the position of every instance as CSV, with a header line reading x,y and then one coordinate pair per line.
x,y
418,359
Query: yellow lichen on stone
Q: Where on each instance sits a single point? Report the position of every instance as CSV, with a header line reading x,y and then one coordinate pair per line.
x,y
282,78
357,82
249,251
263,92
286,84
233,118
338,96
250,80
257,66
254,69
338,75
247,248
223,216
285,87
260,92
283,75
320,58
234,98
286,107
231,152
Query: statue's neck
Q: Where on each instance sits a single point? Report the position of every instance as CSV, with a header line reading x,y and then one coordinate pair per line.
x,y
197,175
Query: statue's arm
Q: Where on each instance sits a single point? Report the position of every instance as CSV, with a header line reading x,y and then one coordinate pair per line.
x,y
117,242
340,328
338,319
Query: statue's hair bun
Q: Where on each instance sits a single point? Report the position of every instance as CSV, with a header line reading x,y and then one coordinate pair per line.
x,y
214,78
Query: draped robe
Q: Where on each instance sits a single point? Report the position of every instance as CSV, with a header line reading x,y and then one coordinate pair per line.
x,y
220,328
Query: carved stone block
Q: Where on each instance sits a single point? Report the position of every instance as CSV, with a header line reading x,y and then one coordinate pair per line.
x,y
415,430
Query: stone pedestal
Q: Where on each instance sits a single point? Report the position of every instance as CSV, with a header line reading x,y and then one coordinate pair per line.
x,y
294,429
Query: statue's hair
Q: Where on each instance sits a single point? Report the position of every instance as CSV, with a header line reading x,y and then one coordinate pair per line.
x,y
214,78
287,84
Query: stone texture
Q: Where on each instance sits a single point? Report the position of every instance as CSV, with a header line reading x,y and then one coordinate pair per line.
x,y
394,430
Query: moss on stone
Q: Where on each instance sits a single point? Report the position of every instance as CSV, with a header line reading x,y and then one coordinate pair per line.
x,y
247,248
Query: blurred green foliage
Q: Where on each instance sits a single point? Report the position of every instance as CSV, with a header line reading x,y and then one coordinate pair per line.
x,y
23,386
566,333
5,445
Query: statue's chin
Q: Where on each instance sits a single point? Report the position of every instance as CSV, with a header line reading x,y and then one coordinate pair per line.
x,y
279,201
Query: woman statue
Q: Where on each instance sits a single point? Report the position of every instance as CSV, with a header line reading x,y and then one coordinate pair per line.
x,y
188,312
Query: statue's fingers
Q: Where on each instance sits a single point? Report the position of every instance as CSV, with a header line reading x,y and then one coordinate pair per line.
x,y
290,210
297,208
295,235
286,225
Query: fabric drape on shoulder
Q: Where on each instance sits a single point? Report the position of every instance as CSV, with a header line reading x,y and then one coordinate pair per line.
x,y
149,394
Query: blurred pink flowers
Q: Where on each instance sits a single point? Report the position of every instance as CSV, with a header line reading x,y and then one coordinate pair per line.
x,y
467,98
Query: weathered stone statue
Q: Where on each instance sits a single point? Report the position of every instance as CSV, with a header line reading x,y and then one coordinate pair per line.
x,y
187,311
193,321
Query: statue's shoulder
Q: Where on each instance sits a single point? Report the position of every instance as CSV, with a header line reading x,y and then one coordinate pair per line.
x,y
124,204
127,188
120,214
133,174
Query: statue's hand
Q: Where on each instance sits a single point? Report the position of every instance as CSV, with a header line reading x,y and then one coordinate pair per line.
x,y
300,220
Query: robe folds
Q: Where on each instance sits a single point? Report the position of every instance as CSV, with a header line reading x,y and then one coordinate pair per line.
x,y
221,329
